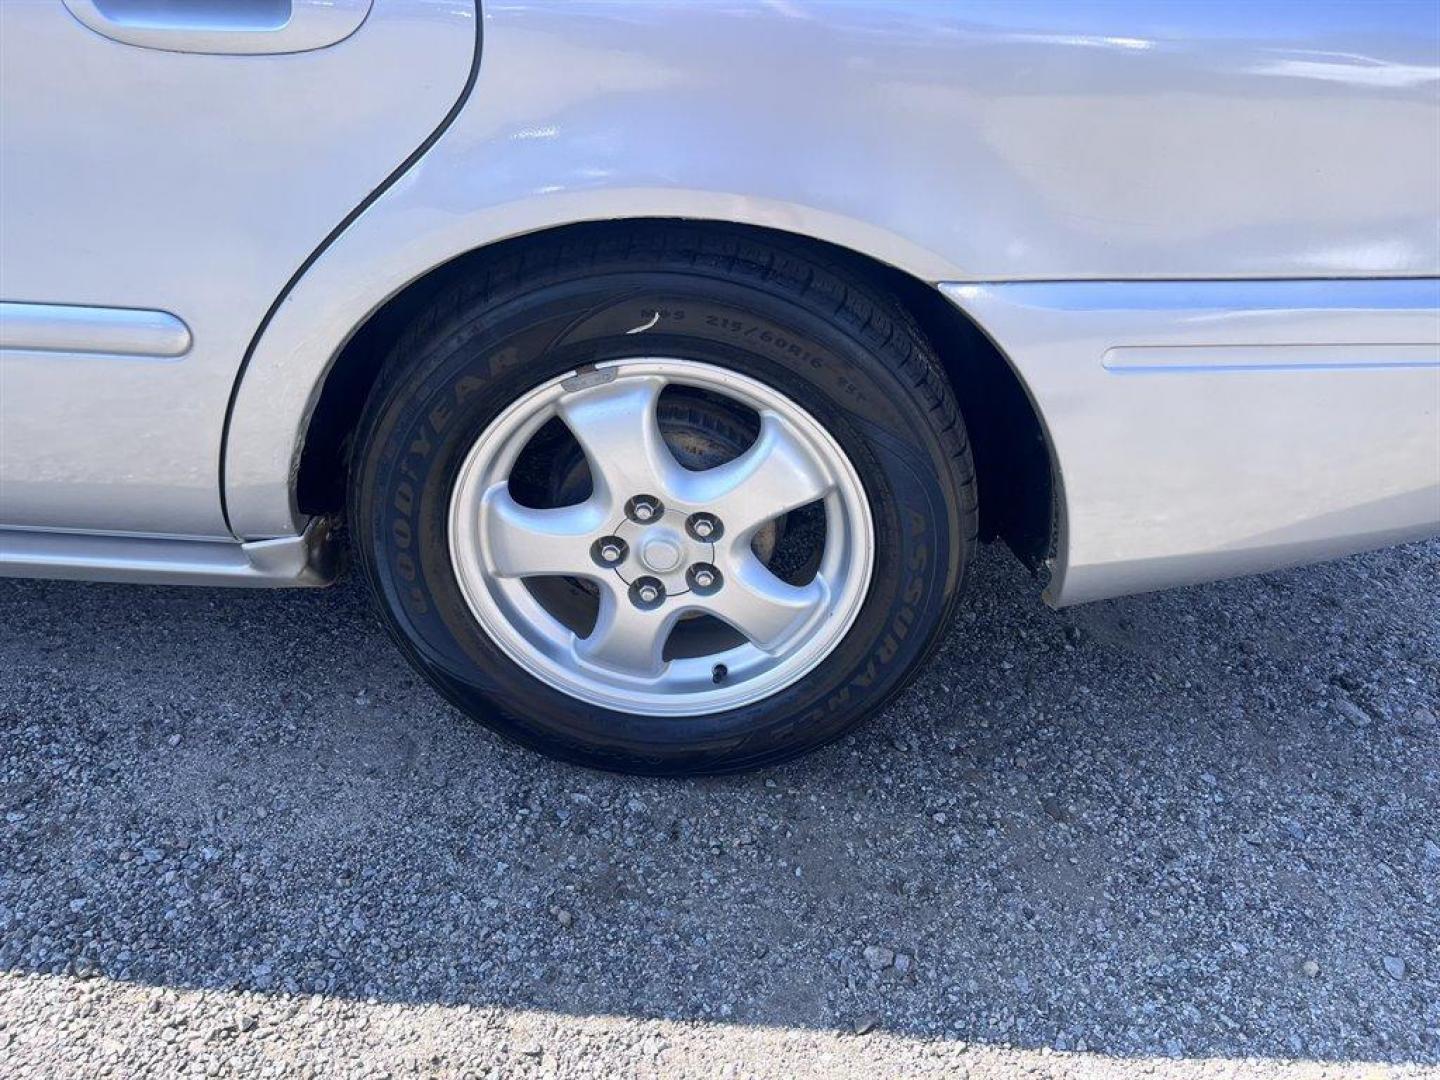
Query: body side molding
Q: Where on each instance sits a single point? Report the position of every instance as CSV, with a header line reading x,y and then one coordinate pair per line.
x,y
108,331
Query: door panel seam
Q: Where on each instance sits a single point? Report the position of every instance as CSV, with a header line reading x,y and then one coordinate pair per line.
x,y
334,234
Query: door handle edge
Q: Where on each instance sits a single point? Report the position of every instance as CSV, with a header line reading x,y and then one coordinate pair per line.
x,y
313,24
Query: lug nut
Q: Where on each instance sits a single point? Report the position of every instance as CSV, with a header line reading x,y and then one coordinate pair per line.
x,y
704,579
644,509
609,550
704,527
647,592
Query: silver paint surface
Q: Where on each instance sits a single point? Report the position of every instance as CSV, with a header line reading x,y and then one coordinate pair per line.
x,y
966,142
187,183
980,141
1248,455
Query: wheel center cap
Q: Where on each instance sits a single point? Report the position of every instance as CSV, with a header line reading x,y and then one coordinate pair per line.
x,y
660,555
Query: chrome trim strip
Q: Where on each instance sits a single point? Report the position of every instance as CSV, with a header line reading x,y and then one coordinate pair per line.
x,y
305,561
65,328
1224,301
1185,359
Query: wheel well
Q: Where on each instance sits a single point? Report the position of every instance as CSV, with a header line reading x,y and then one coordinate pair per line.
x,y
1016,477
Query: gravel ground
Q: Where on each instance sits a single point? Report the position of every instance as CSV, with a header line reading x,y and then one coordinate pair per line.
x,y
1195,833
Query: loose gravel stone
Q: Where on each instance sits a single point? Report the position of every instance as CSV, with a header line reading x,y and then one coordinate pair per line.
x,y
878,957
1096,843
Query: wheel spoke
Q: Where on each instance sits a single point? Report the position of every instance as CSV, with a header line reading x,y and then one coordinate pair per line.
x,y
777,474
626,638
525,542
617,426
761,606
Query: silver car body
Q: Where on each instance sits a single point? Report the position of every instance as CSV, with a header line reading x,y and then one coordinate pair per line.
x,y
1206,236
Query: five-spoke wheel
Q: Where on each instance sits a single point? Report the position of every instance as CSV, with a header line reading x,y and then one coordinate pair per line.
x,y
659,543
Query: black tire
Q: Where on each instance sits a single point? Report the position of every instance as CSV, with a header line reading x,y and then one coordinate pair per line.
x,y
771,309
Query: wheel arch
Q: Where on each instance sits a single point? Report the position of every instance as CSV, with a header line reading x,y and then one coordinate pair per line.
x,y
1017,476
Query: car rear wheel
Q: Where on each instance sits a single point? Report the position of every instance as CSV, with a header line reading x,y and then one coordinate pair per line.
x,y
690,503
